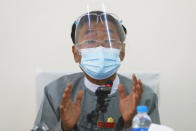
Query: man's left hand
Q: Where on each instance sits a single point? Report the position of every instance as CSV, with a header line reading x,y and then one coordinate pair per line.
x,y
129,103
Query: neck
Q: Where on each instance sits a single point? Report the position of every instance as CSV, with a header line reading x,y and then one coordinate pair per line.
x,y
100,82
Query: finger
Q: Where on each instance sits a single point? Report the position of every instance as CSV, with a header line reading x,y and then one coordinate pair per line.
x,y
136,99
121,91
134,83
141,88
61,110
139,91
133,89
69,87
79,97
66,95
134,80
63,100
138,88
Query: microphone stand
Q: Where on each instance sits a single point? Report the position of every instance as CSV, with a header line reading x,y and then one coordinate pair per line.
x,y
102,103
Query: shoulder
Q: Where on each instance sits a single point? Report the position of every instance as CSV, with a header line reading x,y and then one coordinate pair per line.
x,y
148,93
126,82
57,87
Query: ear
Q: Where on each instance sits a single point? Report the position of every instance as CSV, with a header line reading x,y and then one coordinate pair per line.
x,y
75,54
122,52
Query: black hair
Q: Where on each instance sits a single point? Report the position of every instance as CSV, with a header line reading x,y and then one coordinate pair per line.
x,y
112,19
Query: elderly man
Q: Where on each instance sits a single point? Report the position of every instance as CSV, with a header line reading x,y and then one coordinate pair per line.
x,y
98,98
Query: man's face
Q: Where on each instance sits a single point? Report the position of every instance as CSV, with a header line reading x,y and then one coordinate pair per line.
x,y
97,31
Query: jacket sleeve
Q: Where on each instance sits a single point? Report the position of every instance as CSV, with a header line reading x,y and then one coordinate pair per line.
x,y
154,111
47,115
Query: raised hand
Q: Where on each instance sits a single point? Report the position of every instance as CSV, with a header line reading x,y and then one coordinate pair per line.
x,y
129,103
70,111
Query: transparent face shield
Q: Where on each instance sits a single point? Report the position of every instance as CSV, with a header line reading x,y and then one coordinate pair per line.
x,y
99,29
99,38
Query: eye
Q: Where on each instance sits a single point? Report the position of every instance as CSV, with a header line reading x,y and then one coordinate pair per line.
x,y
110,41
85,42
91,41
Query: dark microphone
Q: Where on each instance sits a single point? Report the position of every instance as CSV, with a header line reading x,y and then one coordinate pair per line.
x,y
104,90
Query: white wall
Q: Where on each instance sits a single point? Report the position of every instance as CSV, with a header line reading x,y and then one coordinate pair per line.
x,y
35,34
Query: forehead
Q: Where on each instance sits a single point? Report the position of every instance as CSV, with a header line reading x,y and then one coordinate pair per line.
x,y
98,25
98,29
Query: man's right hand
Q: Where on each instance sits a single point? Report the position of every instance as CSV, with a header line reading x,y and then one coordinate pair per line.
x,y
70,111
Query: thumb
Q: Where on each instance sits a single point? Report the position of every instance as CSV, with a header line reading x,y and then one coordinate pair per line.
x,y
79,98
121,91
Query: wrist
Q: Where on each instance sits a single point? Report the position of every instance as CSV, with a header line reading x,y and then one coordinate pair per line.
x,y
64,128
128,121
127,124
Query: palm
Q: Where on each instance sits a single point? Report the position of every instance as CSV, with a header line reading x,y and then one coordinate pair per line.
x,y
128,103
127,107
72,114
70,111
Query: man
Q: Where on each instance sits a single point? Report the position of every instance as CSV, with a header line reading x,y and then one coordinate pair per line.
x,y
72,102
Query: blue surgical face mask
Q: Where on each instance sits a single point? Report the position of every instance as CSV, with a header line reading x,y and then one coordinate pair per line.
x,y
100,63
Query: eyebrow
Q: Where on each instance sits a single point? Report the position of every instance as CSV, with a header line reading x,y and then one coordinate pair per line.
x,y
111,31
90,31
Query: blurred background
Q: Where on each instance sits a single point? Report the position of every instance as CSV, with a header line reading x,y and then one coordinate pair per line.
x,y
35,35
